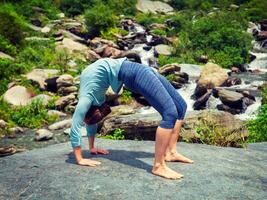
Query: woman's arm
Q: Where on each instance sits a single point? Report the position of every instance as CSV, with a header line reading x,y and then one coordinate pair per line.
x,y
82,107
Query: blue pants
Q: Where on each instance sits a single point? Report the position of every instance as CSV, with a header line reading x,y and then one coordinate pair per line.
x,y
156,89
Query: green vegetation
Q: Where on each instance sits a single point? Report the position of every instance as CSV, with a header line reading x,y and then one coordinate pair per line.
x,y
126,97
117,134
33,115
258,126
211,133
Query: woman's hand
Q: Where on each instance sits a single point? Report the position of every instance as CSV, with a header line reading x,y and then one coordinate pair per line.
x,y
95,151
89,162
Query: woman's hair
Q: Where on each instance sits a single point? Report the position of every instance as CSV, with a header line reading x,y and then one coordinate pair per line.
x,y
96,113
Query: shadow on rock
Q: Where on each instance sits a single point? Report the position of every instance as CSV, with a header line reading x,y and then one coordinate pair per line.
x,y
130,158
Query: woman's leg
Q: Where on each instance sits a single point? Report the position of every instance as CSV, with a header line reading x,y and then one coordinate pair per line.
x,y
171,152
160,168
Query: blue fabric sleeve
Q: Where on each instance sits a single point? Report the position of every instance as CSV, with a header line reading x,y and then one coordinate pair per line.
x,y
91,130
81,109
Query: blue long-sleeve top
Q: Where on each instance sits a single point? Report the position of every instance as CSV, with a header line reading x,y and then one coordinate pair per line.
x,y
94,82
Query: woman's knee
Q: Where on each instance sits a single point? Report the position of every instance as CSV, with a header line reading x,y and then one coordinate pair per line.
x,y
169,118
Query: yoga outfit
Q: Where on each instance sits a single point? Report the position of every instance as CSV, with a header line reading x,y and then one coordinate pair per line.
x,y
98,76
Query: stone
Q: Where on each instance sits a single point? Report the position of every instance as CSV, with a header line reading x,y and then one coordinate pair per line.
x,y
9,150
212,75
46,29
71,46
147,6
92,56
16,130
6,56
163,49
169,69
3,124
60,125
231,98
232,81
232,129
56,112
39,76
200,103
18,96
61,15
43,134
111,52
220,173
64,80
62,102
157,26
67,90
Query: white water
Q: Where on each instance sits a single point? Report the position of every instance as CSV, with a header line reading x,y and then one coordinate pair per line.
x,y
193,71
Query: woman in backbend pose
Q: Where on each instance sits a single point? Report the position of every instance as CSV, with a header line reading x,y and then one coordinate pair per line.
x,y
94,82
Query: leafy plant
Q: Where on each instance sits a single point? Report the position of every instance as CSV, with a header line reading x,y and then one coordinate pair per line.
x,y
117,134
126,97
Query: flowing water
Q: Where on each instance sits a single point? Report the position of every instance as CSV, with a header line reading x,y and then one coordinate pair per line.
x,y
250,81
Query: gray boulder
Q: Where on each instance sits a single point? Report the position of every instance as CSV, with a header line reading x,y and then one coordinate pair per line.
x,y
43,134
61,125
153,6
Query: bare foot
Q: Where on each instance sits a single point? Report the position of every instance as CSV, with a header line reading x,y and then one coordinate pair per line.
x,y
176,157
165,172
95,151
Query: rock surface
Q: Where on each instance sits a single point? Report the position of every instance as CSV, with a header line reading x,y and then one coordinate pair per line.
x,y
218,173
153,6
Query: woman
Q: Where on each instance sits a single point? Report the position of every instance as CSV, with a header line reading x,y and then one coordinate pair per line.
x,y
94,82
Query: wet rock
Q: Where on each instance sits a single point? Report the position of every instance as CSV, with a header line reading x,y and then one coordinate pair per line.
x,y
18,96
231,98
232,81
235,70
62,102
60,125
111,52
43,135
262,36
56,112
39,76
229,109
200,103
98,42
203,59
169,69
153,6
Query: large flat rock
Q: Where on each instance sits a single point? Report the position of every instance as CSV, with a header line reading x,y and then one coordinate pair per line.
x,y
218,173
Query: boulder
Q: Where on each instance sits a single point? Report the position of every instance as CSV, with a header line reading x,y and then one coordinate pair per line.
x,y
56,112
64,80
226,129
67,90
212,75
3,55
92,56
163,49
46,29
43,134
39,76
18,96
71,46
3,124
169,69
61,125
62,102
147,6
16,130
231,98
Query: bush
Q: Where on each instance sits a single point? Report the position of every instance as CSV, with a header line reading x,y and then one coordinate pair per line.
x,y
126,96
221,36
75,7
258,127
146,19
255,10
118,134
33,115
99,18
11,25
7,47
